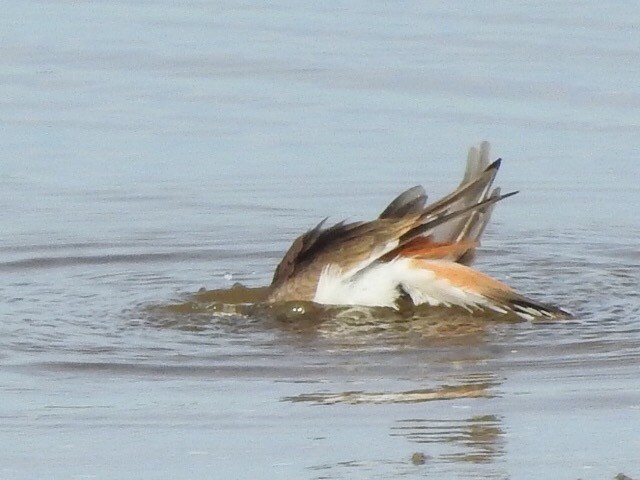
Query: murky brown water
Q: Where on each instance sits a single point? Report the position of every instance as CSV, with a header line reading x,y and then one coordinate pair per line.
x,y
153,150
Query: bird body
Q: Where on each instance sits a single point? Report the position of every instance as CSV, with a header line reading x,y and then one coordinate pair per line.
x,y
412,250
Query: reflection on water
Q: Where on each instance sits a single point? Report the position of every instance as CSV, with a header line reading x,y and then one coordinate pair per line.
x,y
477,439
453,369
445,392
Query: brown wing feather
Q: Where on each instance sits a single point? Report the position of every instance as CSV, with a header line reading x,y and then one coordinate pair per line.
x,y
347,243
409,202
297,250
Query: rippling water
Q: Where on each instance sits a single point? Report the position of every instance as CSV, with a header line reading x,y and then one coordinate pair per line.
x,y
151,149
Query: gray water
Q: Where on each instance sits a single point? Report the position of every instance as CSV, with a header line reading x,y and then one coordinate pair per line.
x,y
152,148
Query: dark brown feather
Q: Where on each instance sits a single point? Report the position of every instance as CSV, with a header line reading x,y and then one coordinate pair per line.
x,y
347,242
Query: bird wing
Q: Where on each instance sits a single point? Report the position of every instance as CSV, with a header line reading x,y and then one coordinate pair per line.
x,y
354,247
458,218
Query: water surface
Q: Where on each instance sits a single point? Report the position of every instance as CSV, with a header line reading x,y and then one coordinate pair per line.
x,y
152,149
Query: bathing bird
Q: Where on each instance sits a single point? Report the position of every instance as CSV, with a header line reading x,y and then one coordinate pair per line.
x,y
414,251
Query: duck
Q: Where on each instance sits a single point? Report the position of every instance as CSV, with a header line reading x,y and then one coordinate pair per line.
x,y
414,251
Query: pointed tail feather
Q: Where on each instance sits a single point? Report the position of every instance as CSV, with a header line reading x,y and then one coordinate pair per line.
x,y
429,221
477,162
475,187
478,221
467,193
531,309
473,230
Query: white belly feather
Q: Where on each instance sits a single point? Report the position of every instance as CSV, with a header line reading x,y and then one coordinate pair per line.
x,y
380,285
377,286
